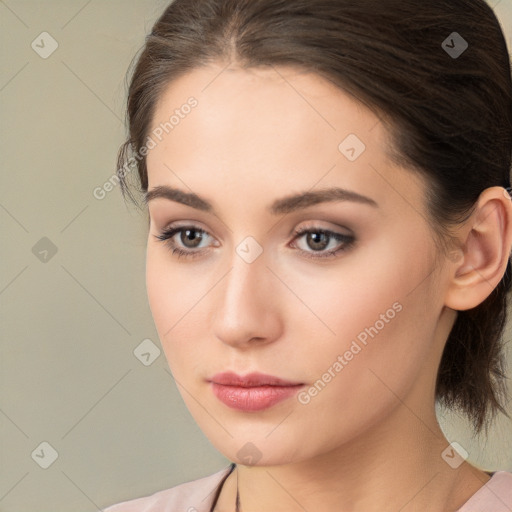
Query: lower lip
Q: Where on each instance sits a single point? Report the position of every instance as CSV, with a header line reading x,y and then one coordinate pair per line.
x,y
254,398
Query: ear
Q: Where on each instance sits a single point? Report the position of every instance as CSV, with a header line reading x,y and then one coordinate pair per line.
x,y
486,244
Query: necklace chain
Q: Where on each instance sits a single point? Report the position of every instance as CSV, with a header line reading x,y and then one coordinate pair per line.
x,y
237,504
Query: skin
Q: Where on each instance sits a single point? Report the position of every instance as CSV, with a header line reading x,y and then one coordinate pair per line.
x,y
370,438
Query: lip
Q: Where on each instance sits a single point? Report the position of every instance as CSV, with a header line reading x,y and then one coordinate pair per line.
x,y
252,392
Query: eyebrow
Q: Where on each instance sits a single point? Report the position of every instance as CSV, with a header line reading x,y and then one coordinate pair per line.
x,y
285,205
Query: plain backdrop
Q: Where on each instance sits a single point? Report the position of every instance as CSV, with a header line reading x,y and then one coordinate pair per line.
x,y
74,395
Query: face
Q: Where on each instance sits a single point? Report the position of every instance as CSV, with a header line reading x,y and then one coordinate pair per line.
x,y
336,293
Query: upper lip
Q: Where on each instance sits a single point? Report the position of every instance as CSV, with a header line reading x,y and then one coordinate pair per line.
x,y
254,379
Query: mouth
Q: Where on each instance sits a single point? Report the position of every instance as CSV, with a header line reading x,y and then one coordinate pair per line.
x,y
252,392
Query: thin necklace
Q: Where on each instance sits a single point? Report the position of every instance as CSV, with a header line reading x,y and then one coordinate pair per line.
x,y
237,504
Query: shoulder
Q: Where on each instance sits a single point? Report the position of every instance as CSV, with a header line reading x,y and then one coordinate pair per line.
x,y
193,496
494,496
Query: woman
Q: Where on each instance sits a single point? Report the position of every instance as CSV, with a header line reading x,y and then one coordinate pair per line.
x,y
328,245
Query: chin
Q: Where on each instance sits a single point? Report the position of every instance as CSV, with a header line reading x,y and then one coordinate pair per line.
x,y
258,451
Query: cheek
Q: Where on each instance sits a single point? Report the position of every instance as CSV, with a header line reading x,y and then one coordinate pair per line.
x,y
380,317
164,284
365,290
157,286
177,297
359,381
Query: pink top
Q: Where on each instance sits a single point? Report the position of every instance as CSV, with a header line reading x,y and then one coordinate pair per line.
x,y
199,496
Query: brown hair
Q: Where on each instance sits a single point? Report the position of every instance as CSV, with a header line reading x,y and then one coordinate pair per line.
x,y
449,117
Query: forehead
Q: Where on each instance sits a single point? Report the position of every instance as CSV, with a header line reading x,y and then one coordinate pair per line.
x,y
252,129
272,108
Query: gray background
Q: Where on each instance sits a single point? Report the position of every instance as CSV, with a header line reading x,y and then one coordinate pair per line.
x,y
70,324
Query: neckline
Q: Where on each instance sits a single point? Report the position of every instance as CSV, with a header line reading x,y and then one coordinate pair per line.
x,y
233,466
220,486
484,489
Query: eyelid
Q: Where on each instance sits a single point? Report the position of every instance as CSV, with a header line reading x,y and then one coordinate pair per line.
x,y
318,226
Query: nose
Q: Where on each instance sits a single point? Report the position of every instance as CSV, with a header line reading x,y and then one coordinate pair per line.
x,y
246,312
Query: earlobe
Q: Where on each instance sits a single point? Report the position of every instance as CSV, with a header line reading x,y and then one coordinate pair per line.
x,y
486,241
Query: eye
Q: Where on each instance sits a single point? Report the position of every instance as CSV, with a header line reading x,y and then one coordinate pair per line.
x,y
188,243
190,238
320,239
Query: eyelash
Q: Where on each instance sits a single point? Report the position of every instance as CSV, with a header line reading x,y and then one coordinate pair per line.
x,y
348,241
